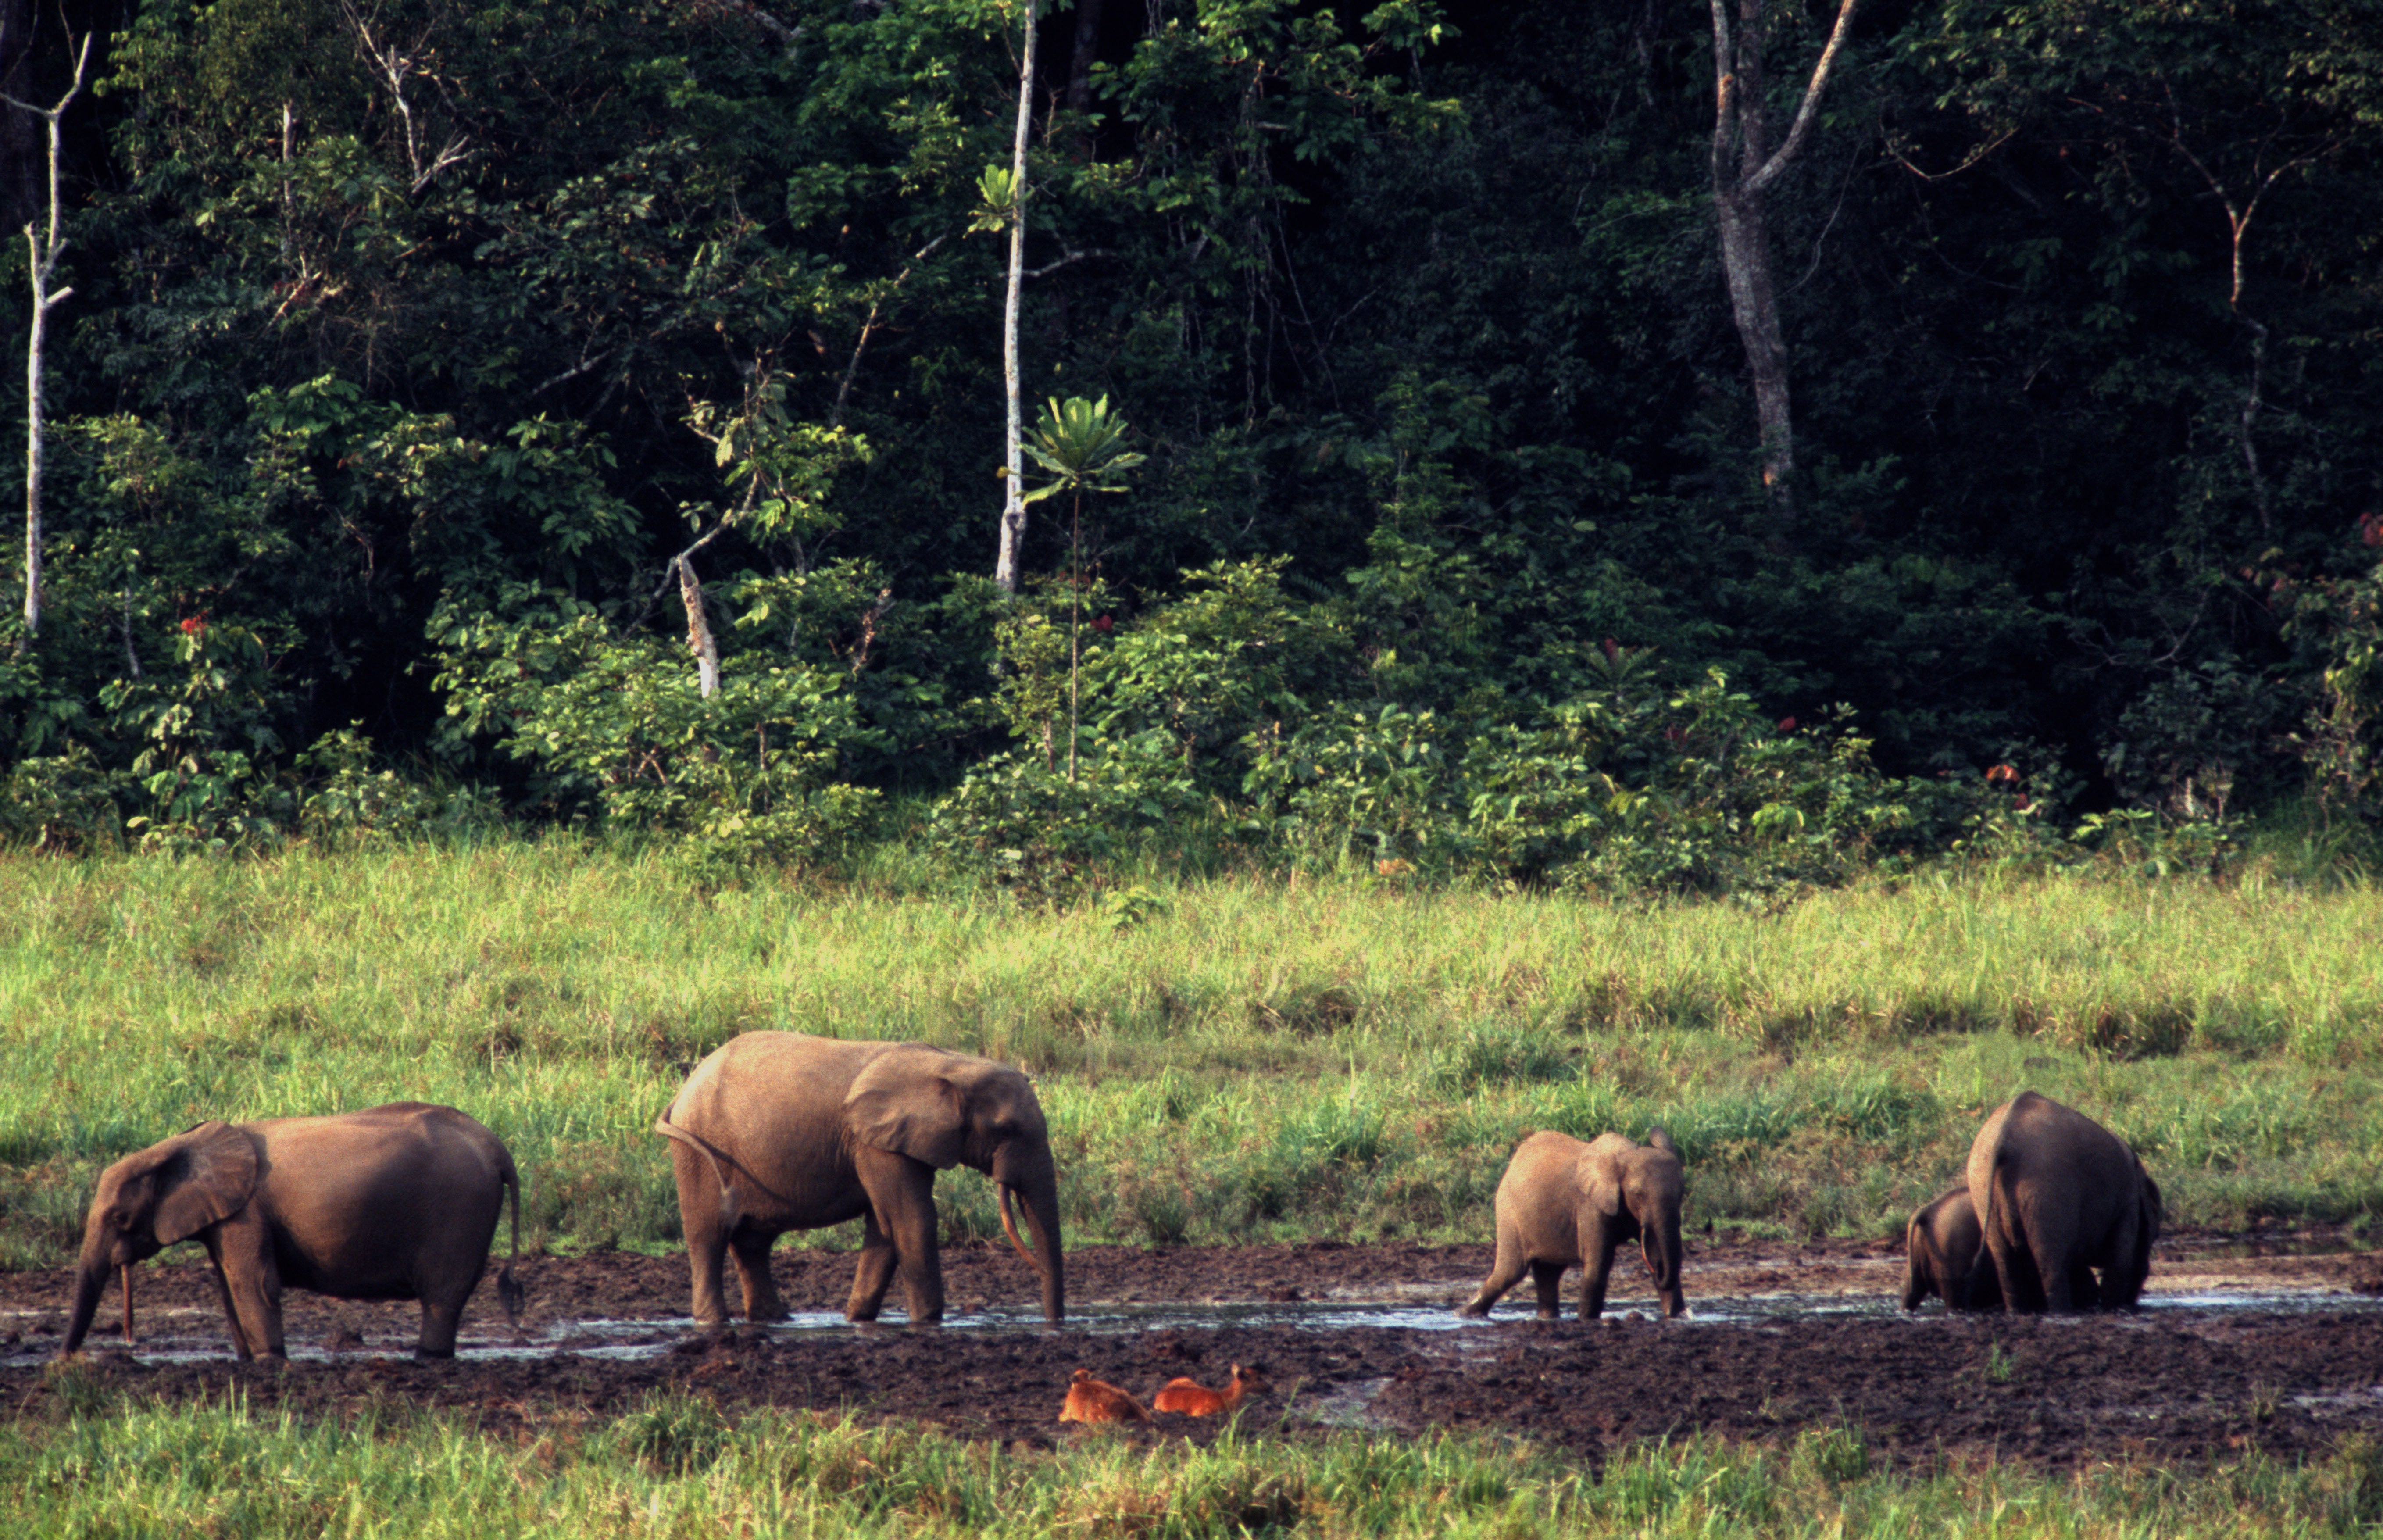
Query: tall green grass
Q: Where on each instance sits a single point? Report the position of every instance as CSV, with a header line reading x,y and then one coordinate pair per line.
x,y
1239,1059
682,1466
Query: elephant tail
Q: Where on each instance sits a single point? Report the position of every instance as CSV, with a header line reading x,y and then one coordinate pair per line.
x,y
510,1294
720,1164
1981,1266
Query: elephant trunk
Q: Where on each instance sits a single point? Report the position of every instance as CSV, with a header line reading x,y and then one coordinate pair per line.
x,y
90,1281
1661,1244
1036,1193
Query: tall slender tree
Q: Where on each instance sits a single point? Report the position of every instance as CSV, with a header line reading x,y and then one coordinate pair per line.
x,y
1740,182
43,252
1013,485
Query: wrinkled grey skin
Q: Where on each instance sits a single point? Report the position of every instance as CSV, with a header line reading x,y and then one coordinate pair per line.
x,y
1563,1203
2055,1194
394,1202
779,1132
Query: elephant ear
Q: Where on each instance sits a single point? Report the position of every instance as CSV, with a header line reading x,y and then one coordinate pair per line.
x,y
906,1100
205,1177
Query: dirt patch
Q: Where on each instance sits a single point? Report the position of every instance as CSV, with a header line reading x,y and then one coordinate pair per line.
x,y
2289,1375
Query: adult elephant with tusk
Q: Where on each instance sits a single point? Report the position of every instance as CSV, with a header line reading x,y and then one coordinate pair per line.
x,y
394,1202
778,1132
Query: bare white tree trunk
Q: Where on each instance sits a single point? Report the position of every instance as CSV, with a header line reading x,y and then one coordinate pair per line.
x,y
699,639
42,252
1013,480
1739,122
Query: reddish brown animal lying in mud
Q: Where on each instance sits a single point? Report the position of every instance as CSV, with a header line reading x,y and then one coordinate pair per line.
x,y
1091,1400
1198,1400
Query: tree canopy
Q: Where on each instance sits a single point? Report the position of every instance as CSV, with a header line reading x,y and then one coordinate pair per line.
x,y
442,377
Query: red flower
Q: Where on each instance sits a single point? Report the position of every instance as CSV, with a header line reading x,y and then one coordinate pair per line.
x,y
1787,724
2001,775
195,625
1103,623
2370,527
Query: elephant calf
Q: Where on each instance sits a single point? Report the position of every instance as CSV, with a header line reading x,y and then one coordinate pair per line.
x,y
1942,1243
2059,1199
395,1202
1562,1202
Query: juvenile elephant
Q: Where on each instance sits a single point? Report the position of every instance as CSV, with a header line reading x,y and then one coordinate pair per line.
x,y
2057,1194
1942,1243
394,1202
1563,1202
779,1132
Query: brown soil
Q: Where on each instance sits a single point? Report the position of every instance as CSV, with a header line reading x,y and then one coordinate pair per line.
x,y
2289,1376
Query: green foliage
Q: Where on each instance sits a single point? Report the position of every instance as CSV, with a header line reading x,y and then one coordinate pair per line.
x,y
617,727
1081,444
1624,791
2342,740
1035,829
393,325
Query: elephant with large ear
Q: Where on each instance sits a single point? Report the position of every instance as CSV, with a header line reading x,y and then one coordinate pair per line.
x,y
1562,1202
778,1132
2057,1194
395,1202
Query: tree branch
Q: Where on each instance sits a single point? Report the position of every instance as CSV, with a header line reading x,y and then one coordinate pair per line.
x,y
1811,104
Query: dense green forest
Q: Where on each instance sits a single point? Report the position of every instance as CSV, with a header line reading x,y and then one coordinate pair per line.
x,y
1546,440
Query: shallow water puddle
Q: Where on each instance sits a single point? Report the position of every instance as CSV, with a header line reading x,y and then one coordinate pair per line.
x,y
192,1335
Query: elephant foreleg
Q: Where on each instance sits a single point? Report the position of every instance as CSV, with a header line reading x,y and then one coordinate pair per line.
x,y
873,1275
901,1209
240,1348
1546,1279
923,1264
751,1250
1596,1265
441,1319
251,1285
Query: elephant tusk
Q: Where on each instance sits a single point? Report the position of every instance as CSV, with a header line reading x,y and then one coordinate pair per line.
x,y
1001,1201
127,1271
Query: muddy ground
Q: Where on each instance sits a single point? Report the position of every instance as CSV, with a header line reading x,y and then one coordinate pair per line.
x,y
2289,1372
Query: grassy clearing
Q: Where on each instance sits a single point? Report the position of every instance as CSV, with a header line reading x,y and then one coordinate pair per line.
x,y
1236,1060
682,1467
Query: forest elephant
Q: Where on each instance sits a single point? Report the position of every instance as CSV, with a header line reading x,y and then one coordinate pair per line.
x,y
2056,1195
394,1202
778,1132
1563,1202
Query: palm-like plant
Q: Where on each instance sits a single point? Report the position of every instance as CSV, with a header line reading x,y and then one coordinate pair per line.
x,y
1081,444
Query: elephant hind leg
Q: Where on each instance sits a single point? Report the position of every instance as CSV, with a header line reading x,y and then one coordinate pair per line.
x,y
1504,1274
751,1250
703,1220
